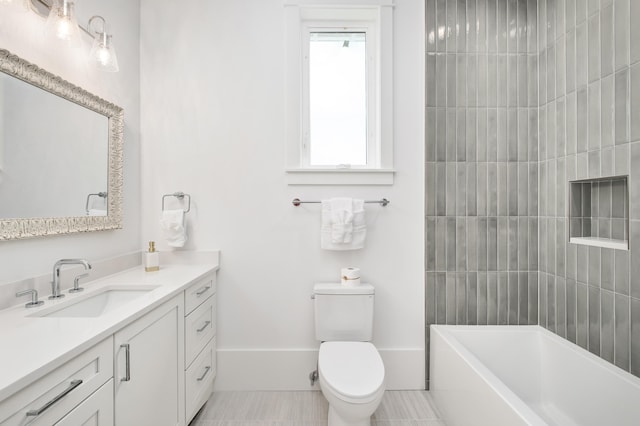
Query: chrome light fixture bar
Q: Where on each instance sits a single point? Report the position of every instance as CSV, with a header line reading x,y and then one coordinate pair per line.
x,y
62,23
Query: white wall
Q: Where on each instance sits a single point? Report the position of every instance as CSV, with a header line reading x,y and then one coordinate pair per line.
x,y
213,126
21,32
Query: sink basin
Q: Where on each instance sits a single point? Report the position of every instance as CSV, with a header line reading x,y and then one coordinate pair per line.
x,y
96,304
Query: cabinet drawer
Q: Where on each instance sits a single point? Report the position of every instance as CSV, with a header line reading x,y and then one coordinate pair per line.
x,y
199,379
198,292
199,328
95,410
50,398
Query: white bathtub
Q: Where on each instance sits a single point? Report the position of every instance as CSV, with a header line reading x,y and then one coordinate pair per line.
x,y
526,375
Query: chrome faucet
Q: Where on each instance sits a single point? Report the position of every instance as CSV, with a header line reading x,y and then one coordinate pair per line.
x,y
55,284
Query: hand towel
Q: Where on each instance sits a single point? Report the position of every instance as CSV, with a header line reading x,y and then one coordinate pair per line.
x,y
173,227
96,212
343,224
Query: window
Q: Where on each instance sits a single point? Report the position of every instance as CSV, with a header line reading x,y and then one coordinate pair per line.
x,y
336,127
339,130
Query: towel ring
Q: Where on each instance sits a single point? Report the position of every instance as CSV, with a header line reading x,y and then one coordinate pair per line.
x,y
180,196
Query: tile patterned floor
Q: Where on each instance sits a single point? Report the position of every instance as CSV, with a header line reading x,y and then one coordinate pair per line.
x,y
398,408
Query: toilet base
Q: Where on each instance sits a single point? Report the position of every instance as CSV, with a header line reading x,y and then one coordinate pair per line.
x,y
336,420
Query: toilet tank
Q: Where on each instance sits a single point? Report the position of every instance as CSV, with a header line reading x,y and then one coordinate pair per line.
x,y
343,313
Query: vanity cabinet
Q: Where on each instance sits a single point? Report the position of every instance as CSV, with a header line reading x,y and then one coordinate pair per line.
x,y
52,397
199,343
158,370
96,410
149,380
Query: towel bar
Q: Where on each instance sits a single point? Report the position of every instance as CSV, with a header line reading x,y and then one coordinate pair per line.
x,y
97,194
180,196
296,202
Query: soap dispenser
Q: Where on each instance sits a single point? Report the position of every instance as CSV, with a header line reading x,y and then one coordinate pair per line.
x,y
152,258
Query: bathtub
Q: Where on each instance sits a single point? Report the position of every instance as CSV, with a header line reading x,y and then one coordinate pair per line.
x,y
525,375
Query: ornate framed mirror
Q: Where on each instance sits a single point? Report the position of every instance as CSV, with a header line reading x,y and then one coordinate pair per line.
x,y
60,155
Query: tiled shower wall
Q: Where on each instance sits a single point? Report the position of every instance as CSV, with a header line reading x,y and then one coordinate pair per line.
x,y
482,162
523,96
589,128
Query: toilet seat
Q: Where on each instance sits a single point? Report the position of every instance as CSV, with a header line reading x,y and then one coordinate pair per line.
x,y
352,370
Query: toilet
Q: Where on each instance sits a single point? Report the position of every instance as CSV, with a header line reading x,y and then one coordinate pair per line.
x,y
350,370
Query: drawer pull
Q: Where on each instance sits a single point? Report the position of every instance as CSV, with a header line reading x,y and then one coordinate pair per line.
x,y
205,325
203,290
127,363
206,371
74,384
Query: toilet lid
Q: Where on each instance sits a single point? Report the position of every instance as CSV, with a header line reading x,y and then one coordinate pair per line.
x,y
352,369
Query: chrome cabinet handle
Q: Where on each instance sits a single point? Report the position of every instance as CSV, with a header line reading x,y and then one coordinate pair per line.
x,y
206,371
203,291
205,325
127,363
74,384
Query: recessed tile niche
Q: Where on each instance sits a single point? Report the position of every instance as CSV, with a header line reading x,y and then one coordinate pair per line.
x,y
599,212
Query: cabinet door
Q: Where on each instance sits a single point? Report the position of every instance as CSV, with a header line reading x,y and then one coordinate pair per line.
x,y
97,410
149,372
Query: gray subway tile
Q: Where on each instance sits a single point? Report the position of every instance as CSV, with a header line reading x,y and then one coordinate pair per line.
x,y
607,64
542,301
441,243
431,244
441,23
532,299
430,299
622,106
594,47
635,100
571,299
571,124
483,301
595,109
561,306
451,33
472,244
607,326
451,243
582,120
461,298
482,244
551,303
492,244
635,31
608,107
451,299
512,308
502,298
441,298
621,33
503,238
441,134
523,298
622,272
622,328
461,190
571,61
461,244
607,268
472,298
635,337
594,320
441,188
451,189
582,55
471,134
472,175
492,298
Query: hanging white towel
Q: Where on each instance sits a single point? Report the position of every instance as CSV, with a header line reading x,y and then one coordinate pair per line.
x,y
96,212
343,225
173,227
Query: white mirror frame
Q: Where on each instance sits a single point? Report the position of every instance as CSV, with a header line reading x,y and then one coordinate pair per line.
x,y
20,228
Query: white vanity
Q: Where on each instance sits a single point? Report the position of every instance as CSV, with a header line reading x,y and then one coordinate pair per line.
x,y
135,348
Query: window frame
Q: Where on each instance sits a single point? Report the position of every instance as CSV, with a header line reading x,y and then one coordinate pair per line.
x,y
302,18
372,135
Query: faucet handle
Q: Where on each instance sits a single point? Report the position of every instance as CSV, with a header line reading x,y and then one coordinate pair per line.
x,y
34,298
76,286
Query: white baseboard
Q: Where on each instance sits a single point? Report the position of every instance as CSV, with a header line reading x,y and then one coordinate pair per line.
x,y
277,369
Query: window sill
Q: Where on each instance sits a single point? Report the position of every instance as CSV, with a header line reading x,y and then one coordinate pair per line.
x,y
340,176
601,242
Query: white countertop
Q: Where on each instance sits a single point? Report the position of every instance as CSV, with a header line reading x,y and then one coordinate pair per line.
x,y
33,346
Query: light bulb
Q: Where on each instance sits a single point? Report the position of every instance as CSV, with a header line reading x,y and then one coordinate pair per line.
x,y
103,53
62,22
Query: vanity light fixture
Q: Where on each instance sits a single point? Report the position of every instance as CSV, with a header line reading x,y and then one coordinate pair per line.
x,y
102,50
62,22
